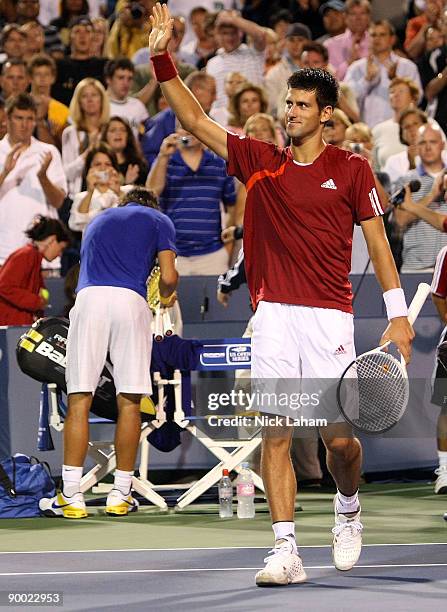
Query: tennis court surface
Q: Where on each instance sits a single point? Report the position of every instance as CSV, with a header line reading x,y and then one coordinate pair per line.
x,y
194,561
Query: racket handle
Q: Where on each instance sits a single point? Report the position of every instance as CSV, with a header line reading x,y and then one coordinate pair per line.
x,y
158,326
168,329
418,301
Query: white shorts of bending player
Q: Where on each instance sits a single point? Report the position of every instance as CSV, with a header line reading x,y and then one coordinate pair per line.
x,y
300,350
109,320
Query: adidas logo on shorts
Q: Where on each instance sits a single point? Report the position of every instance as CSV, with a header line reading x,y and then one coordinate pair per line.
x,y
329,184
341,350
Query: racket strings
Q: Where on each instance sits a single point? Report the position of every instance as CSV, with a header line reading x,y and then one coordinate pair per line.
x,y
377,390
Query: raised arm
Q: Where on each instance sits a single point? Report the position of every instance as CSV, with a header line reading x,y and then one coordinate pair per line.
x,y
178,96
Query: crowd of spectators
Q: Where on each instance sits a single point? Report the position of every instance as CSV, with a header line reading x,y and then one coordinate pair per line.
x,y
82,118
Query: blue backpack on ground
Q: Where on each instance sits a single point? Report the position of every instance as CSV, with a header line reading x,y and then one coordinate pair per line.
x,y
23,482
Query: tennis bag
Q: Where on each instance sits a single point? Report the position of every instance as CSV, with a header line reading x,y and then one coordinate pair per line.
x,y
41,354
23,481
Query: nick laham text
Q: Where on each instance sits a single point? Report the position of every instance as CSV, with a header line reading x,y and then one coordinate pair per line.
x,y
265,420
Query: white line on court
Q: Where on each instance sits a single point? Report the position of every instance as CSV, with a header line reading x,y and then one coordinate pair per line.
x,y
200,569
124,550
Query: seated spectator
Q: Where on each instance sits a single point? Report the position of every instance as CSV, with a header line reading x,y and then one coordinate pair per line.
x,y
101,178
28,10
52,116
333,16
203,86
89,112
23,296
415,41
245,102
14,78
234,55
296,37
132,166
335,130
191,183
403,93
203,46
233,80
13,42
3,123
35,39
130,31
32,179
421,241
399,164
370,77
79,64
68,11
119,76
100,35
433,71
353,44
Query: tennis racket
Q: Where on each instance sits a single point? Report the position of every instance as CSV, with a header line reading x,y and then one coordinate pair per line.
x,y
373,391
162,319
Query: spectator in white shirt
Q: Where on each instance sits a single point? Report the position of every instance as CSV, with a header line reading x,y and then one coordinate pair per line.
x,y
233,55
89,112
32,179
119,77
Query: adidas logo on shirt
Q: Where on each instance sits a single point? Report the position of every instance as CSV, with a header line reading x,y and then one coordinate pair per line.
x,y
341,349
329,184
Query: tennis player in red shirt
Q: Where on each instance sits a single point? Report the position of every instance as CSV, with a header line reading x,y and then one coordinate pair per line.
x,y
302,203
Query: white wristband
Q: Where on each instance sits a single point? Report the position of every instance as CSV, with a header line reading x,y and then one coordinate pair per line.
x,y
395,303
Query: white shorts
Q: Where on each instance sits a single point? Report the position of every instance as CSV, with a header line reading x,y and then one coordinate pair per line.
x,y
311,345
109,320
209,264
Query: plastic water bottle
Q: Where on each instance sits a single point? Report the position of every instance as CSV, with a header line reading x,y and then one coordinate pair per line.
x,y
245,489
225,496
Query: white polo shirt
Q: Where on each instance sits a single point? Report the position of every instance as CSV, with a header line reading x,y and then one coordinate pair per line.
x,y
22,196
131,109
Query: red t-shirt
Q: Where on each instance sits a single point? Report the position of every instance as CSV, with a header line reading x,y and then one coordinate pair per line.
x,y
439,282
20,282
299,221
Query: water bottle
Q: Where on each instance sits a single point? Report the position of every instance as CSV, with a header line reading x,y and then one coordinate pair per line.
x,y
225,496
245,489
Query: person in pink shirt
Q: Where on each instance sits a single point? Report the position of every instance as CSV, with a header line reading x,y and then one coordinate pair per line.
x,y
353,44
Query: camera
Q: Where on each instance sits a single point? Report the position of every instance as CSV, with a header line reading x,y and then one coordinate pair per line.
x,y
137,10
356,147
185,141
102,175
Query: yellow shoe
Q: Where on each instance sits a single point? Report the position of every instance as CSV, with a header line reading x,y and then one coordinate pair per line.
x,y
69,507
118,504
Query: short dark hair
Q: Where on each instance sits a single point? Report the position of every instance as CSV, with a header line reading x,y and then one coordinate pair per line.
x,y
41,227
320,81
41,60
122,63
23,101
317,48
281,15
411,111
141,196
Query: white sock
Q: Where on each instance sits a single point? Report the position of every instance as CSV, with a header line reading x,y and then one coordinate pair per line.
x,y
71,479
123,481
347,503
442,458
285,530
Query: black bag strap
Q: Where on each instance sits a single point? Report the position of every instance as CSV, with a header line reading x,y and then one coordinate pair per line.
x,y
6,483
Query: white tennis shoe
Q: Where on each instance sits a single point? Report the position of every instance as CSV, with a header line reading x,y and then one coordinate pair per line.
x,y
347,543
282,566
441,481
118,504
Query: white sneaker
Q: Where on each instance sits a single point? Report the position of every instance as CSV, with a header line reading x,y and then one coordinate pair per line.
x,y
347,543
69,507
283,566
118,504
441,481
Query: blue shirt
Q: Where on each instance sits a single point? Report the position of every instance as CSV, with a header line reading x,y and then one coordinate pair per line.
x,y
120,245
191,199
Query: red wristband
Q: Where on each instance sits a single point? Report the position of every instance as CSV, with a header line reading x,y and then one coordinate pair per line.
x,y
164,67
